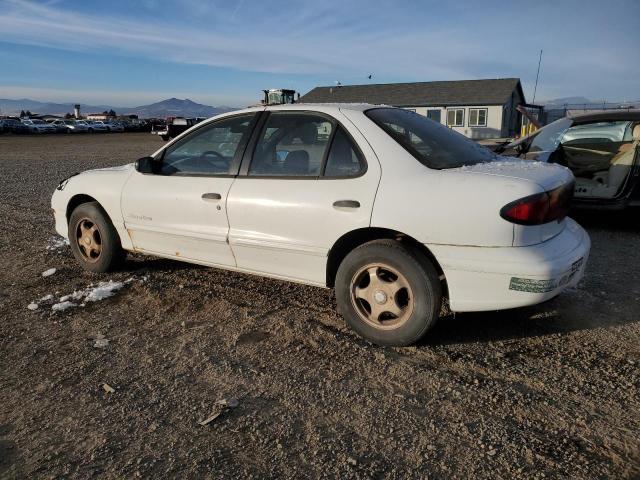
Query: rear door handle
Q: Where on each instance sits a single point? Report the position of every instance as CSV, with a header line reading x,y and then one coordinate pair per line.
x,y
346,204
211,196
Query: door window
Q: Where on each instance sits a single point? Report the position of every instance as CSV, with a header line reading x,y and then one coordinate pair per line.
x,y
291,145
344,160
209,150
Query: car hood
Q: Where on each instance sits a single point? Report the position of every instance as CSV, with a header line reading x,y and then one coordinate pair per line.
x,y
120,168
546,175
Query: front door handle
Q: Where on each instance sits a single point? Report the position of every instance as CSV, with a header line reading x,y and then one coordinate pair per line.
x,y
346,204
211,196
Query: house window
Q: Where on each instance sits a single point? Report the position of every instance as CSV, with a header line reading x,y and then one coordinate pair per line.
x,y
477,117
455,117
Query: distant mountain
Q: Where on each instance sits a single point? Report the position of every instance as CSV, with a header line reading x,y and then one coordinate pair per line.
x,y
584,103
172,107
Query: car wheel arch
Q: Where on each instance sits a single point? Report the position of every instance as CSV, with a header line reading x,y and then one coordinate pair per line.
x,y
353,239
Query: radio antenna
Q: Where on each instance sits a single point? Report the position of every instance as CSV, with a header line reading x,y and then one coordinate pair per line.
x,y
535,88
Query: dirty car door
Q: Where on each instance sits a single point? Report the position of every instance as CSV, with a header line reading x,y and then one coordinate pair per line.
x,y
179,210
310,180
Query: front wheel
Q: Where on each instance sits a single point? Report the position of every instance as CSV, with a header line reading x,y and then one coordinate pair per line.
x,y
388,293
94,240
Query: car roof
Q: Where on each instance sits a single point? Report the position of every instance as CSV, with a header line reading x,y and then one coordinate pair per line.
x,y
606,116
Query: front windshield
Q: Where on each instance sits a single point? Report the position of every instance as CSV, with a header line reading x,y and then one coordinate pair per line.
x,y
430,142
548,138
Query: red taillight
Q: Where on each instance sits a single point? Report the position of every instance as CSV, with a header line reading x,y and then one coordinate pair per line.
x,y
540,208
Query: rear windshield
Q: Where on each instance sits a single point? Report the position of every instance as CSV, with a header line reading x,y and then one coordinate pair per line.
x,y
433,144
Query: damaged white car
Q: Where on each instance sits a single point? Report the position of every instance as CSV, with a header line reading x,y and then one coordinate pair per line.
x,y
396,212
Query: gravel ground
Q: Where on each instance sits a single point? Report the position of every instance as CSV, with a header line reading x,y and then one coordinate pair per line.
x,y
547,391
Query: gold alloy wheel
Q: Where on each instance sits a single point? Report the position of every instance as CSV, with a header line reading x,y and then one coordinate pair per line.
x,y
382,296
88,240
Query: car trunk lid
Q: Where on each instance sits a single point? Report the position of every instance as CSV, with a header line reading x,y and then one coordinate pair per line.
x,y
550,178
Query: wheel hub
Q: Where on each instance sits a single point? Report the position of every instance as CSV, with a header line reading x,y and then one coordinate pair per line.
x,y
89,240
382,296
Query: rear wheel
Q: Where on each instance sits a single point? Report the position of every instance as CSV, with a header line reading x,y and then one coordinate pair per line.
x,y
94,240
388,293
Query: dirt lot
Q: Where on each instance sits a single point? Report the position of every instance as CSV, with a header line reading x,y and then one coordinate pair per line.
x,y
549,391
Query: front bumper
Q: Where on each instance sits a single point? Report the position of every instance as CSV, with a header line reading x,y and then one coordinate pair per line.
x,y
496,278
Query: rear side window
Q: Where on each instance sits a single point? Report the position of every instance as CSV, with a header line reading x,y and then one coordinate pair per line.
x,y
292,145
431,143
344,160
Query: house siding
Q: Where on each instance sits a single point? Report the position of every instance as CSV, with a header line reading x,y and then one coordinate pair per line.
x,y
494,128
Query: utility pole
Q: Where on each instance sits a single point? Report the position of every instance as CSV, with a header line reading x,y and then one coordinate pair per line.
x,y
535,88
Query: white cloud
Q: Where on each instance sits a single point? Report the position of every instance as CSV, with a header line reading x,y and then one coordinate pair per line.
x,y
396,41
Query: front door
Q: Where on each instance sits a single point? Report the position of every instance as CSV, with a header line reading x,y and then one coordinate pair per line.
x,y
180,210
307,184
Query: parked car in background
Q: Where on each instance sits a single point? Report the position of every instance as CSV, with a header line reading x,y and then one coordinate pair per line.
x,y
98,126
76,126
84,124
601,149
114,127
174,127
399,214
61,126
14,126
38,126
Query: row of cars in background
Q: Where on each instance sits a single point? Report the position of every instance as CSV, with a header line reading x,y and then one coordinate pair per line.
x,y
174,126
38,126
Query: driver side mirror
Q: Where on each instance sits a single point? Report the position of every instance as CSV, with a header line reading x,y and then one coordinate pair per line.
x,y
145,165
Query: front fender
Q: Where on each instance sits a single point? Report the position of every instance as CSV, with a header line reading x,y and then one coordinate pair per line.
x,y
104,186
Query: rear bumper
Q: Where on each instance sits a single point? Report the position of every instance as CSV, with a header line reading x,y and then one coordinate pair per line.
x,y
485,278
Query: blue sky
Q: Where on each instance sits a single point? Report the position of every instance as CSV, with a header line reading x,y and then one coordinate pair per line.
x,y
128,52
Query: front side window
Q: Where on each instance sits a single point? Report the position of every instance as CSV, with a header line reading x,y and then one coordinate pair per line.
x,y
477,117
209,150
455,117
291,145
431,143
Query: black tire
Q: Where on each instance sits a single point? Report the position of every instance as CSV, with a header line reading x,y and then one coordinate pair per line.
x,y
166,138
111,255
424,297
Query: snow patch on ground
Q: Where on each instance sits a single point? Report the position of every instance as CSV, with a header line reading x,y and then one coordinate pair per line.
x,y
62,306
48,273
57,242
103,290
79,298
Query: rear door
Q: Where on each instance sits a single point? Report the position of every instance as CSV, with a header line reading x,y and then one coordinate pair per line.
x,y
306,180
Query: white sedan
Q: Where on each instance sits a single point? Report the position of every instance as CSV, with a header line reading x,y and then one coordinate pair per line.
x,y
396,212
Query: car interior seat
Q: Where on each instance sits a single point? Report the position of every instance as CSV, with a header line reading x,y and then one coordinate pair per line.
x,y
607,183
297,163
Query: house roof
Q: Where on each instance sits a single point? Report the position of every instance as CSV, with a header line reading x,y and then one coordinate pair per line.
x,y
441,93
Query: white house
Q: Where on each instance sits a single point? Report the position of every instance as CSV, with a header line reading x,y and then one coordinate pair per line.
x,y
476,108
